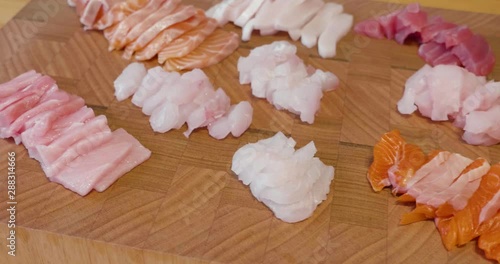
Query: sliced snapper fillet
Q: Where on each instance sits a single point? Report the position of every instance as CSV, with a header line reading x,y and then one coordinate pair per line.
x,y
187,42
214,49
298,14
119,33
180,14
310,33
166,9
249,12
336,29
119,12
168,35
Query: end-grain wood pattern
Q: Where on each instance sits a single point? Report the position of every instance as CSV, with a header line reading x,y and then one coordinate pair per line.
x,y
184,205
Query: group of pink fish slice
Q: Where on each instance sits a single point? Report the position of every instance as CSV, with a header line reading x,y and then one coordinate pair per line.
x,y
172,99
449,92
441,42
74,147
181,35
313,21
276,73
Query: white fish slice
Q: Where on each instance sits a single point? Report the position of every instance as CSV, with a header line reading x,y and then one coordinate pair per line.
x,y
297,14
129,80
249,12
336,29
311,31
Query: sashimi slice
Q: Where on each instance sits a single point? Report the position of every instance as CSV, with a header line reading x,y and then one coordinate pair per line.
x,y
80,148
213,108
50,153
463,226
150,84
476,55
336,29
38,87
236,121
157,98
165,38
433,28
93,9
410,159
187,42
166,9
137,155
249,12
214,49
264,19
118,34
119,12
297,14
310,33
246,31
129,80
236,9
453,36
218,11
84,172
409,21
18,83
180,14
386,153
489,241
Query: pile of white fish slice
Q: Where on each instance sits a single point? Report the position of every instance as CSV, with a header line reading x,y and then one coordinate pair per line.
x,y
313,21
291,183
74,147
449,92
172,99
276,73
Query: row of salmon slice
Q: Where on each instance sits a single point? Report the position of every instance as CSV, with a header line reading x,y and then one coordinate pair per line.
x,y
74,147
460,194
182,36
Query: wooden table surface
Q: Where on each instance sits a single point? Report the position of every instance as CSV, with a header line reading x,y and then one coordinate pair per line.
x,y
184,205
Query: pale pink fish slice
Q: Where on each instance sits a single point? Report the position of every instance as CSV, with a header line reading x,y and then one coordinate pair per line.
x,y
168,35
18,83
166,9
187,42
137,155
180,14
298,14
214,49
248,13
119,12
118,34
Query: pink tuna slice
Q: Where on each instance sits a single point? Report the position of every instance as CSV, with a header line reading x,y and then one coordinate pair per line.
x,y
53,101
137,155
388,24
453,36
43,131
38,88
411,20
18,83
80,148
476,55
50,153
435,26
370,28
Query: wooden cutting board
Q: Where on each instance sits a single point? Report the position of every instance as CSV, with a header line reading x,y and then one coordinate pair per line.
x,y
184,204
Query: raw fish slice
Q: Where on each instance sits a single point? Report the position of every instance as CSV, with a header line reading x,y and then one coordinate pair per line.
x,y
38,87
209,111
117,40
72,3
249,12
430,51
165,117
483,123
47,130
91,13
246,32
433,28
129,80
159,97
453,36
394,160
80,148
214,49
298,14
57,99
137,155
119,12
462,227
18,83
409,21
218,11
80,6
270,9
110,31
236,9
336,29
180,14
427,209
187,42
388,24
476,55
236,121
48,154
310,33
84,172
482,99
167,36
489,241
480,139
369,27
169,7
150,84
